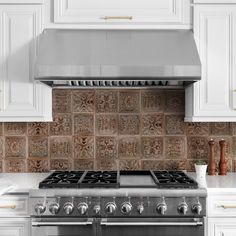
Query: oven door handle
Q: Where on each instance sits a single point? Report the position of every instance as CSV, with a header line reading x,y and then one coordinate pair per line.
x,y
105,223
38,224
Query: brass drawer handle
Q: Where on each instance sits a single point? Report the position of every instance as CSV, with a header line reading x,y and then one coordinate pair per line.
x,y
117,18
8,206
227,206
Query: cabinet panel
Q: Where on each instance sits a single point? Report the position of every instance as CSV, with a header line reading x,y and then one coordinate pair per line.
x,y
221,227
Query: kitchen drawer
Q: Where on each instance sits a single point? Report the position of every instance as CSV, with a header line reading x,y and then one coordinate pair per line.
x,y
13,206
221,206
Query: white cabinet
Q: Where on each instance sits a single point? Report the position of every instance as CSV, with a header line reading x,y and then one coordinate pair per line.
x,y
118,13
21,99
214,97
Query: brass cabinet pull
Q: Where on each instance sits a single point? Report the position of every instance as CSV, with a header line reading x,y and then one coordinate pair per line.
x,y
117,18
7,206
227,206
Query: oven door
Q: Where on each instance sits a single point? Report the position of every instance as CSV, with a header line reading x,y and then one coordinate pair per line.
x,y
151,227
63,227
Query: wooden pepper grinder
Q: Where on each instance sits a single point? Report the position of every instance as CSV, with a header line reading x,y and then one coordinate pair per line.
x,y
211,162
222,163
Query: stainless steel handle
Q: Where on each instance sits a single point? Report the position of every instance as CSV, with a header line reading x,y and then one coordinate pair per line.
x,y
151,223
61,223
117,17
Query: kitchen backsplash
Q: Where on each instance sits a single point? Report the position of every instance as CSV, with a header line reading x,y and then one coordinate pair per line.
x,y
113,129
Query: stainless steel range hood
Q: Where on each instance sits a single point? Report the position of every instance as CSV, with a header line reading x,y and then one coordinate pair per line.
x,y
114,58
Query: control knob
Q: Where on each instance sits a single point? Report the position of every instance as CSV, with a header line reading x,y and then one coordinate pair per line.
x,y
161,208
140,209
68,208
96,209
54,208
39,208
126,208
197,208
110,207
82,208
183,208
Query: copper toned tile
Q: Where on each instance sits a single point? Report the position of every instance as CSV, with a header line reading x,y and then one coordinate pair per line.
x,y
106,101
1,166
37,129
106,147
174,147
38,146
152,147
38,165
84,124
129,101
152,165
175,124
233,128
234,166
175,101
60,164
152,100
83,147
60,147
198,128
15,128
83,164
197,147
1,147
61,125
83,100
61,100
106,124
152,124
106,164
129,165
15,146
175,164
1,128
129,124
129,147
15,165
234,147
220,128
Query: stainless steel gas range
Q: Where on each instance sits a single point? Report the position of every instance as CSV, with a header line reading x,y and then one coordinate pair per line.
x,y
118,203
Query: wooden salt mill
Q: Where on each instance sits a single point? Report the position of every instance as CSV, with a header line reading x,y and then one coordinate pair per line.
x,y
222,163
211,162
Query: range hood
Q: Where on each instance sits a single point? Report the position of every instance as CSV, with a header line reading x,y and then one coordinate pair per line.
x,y
117,58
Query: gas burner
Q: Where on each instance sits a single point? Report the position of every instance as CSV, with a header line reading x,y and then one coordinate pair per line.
x,y
100,179
173,179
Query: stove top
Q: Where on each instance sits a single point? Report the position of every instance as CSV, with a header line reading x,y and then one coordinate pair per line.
x,y
119,179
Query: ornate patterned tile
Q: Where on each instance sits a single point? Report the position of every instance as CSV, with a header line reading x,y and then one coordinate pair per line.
x,y
38,165
175,164
106,147
198,147
84,124
107,164
61,125
38,146
83,147
83,100
129,124
175,124
15,146
220,128
234,147
129,165
60,147
106,101
83,164
129,101
1,166
175,101
174,147
233,128
153,165
152,147
106,124
1,147
152,124
129,147
60,164
15,128
152,100
234,165
1,128
61,101
15,165
198,128
38,129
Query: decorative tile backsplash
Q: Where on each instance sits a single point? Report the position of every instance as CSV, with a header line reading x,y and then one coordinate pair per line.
x,y
113,129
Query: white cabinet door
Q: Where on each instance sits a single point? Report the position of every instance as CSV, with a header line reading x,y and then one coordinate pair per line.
x,y
14,227
221,227
214,96
21,99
